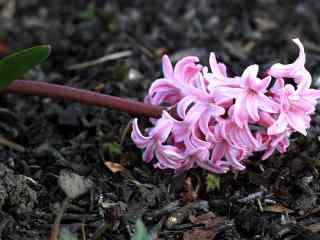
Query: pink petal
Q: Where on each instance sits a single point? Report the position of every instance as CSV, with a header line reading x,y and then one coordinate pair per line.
x,y
179,69
265,119
283,145
220,98
195,112
239,115
167,68
179,131
268,153
163,128
158,98
184,105
204,122
233,156
311,94
213,168
262,85
267,104
193,143
279,70
241,137
169,157
230,92
304,106
249,76
278,87
218,152
161,85
148,153
190,71
223,69
298,121
277,139
303,78
202,85
252,107
137,137
215,110
279,126
201,154
217,68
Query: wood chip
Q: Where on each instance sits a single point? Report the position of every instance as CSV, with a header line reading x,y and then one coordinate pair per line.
x,y
199,234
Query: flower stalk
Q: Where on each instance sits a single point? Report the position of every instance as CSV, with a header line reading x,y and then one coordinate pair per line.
x,y
44,89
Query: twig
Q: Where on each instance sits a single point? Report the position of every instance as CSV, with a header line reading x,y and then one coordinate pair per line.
x,y
156,214
56,226
11,145
83,231
260,205
45,149
250,197
100,60
125,132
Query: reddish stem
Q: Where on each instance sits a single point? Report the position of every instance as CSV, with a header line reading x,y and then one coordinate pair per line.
x,y
84,97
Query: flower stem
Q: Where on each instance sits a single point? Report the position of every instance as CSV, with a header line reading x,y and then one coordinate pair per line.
x,y
83,96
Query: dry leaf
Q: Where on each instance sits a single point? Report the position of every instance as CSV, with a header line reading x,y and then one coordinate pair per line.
x,y
114,167
313,227
278,209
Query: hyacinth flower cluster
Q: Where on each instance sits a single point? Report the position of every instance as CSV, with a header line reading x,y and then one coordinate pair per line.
x,y
221,120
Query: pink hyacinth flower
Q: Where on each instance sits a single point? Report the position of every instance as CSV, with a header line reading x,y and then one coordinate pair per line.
x,y
250,97
305,97
170,157
196,158
218,73
292,113
232,143
177,82
223,120
157,136
295,70
270,143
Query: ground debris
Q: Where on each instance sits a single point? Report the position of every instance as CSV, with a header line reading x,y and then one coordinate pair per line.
x,y
274,199
73,185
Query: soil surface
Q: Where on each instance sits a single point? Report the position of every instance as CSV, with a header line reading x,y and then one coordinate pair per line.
x,y
51,149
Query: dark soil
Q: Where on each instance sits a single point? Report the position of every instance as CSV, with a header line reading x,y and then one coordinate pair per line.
x,y
40,137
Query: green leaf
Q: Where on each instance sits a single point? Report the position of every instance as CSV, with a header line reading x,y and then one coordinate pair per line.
x,y
113,148
213,182
18,63
65,234
140,231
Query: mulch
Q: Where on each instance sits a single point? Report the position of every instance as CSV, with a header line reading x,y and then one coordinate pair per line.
x,y
43,139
